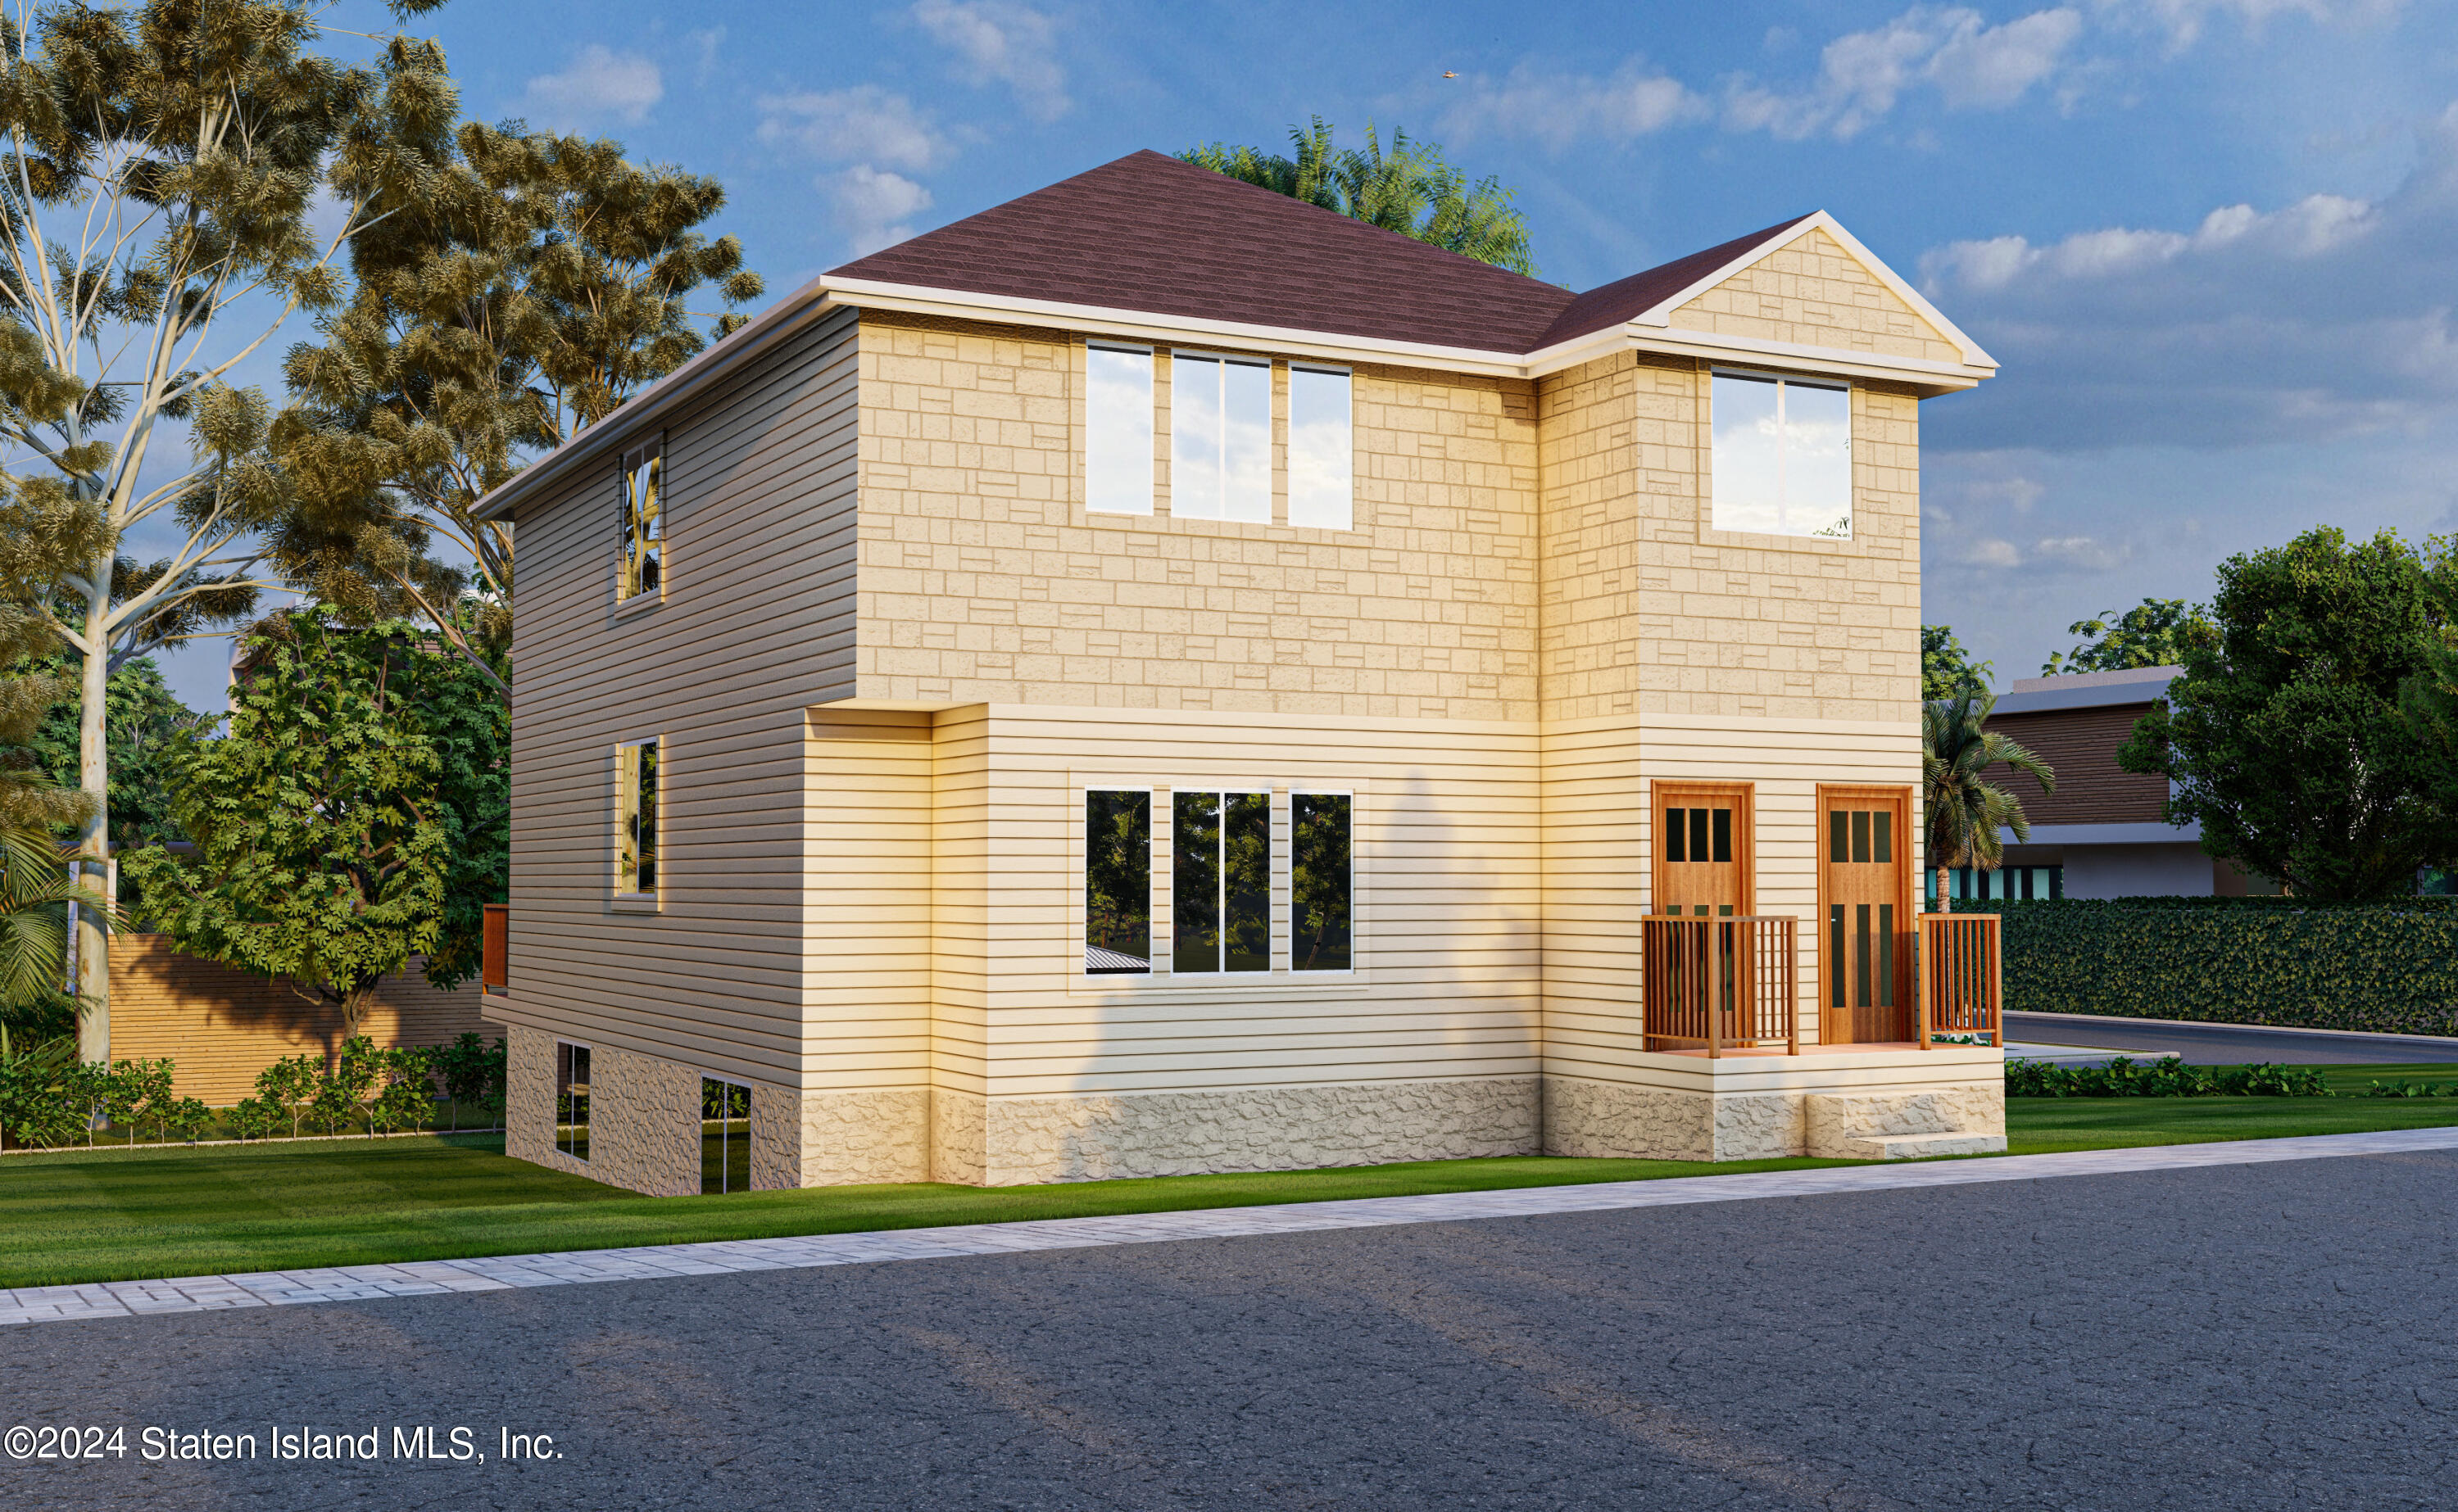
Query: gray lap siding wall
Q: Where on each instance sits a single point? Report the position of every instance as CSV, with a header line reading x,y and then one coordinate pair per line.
x,y
756,626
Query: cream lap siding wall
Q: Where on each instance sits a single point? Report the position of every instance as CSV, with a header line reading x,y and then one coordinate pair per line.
x,y
1446,850
867,901
1813,293
985,581
757,624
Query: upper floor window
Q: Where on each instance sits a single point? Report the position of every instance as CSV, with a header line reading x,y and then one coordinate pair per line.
x,y
635,819
1117,431
641,570
1783,462
1321,450
1219,439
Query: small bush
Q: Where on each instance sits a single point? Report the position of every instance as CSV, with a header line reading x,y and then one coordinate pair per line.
x,y
2411,1089
2165,1077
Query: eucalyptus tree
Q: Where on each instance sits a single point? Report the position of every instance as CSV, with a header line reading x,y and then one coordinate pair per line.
x,y
1411,189
1964,810
178,182
546,282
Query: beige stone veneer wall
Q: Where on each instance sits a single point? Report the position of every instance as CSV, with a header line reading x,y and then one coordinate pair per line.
x,y
1613,1119
1042,1139
644,1124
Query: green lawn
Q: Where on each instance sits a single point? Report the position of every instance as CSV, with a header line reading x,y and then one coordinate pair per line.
x,y
174,1211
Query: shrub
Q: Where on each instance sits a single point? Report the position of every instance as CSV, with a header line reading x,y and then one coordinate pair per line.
x,y
185,1118
2165,1077
408,1095
2383,967
287,1086
42,1100
257,1118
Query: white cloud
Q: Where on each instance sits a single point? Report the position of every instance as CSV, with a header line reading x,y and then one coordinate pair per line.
x,y
864,123
1006,43
2087,552
599,86
707,42
2311,227
875,209
1992,551
1862,75
1558,110
2182,20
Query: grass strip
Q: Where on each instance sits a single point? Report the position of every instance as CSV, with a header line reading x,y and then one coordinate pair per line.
x,y
99,1215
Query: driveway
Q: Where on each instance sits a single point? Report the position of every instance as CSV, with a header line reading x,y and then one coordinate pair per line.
x,y
2243,1337
2228,1044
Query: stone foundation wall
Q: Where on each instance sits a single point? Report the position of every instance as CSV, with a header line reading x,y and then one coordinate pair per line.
x,y
1095,1138
857,1138
1645,1123
643,1120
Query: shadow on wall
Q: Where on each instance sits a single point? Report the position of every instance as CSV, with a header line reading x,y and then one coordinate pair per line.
x,y
220,1026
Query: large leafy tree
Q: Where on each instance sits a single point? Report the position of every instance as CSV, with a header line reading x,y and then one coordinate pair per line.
x,y
1946,666
354,816
1964,810
2285,736
545,283
2156,632
1410,189
160,164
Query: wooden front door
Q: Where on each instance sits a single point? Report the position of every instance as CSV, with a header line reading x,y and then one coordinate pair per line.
x,y
1865,907
1703,868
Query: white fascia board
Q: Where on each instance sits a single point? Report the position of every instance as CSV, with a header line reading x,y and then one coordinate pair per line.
x,y
1746,350
1661,314
1142,326
771,325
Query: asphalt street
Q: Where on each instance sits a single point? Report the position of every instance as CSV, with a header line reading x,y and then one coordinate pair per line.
x,y
2229,1044
2241,1337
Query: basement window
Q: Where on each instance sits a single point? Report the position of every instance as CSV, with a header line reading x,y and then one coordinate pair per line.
x,y
572,1099
1782,463
724,1136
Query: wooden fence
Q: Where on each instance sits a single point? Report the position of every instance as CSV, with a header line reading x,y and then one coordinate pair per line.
x,y
219,1025
1962,978
1720,983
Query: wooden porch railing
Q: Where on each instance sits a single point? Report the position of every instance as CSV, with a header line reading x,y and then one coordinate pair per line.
x,y
1961,978
1719,984
492,973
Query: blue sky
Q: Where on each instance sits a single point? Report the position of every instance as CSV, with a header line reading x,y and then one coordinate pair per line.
x,y
2214,244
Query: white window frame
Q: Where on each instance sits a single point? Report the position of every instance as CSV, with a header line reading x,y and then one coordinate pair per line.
x,y
1274,875
1784,381
1289,446
1152,968
1288,882
1152,430
554,1119
650,898
1220,439
629,602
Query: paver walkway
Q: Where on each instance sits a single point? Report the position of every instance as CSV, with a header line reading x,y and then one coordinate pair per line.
x,y
199,1294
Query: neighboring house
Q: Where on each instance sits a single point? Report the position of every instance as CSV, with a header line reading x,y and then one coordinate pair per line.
x,y
1160,677
2104,832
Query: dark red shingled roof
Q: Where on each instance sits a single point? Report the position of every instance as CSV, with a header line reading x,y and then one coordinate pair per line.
x,y
1627,298
1156,234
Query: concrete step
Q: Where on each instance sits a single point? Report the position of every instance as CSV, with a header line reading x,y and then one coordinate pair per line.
x,y
1913,1147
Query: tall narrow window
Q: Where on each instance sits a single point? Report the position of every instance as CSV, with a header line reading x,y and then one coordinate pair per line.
x,y
1118,883
1322,877
1782,456
641,571
572,1099
1219,439
636,819
724,1136
1117,431
1220,893
1321,450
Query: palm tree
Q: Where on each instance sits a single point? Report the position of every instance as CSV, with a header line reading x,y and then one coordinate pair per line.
x,y
1964,813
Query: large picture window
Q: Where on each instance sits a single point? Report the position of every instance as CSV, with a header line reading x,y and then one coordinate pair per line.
x,y
724,1136
1219,439
1220,882
572,1099
640,571
635,819
1117,431
1782,457
1322,487
1118,882
1322,882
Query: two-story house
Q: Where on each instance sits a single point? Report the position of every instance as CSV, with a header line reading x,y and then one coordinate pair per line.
x,y
1159,678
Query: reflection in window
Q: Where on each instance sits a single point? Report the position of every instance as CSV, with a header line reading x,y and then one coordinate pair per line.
x,y
635,788
1220,893
1783,457
641,569
724,1136
1321,450
1219,439
1320,878
1117,431
572,1099
1118,883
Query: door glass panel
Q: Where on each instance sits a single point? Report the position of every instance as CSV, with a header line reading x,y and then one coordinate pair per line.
x,y
1861,957
1885,955
1839,831
1835,952
1700,847
1724,834
1885,840
1676,835
1860,834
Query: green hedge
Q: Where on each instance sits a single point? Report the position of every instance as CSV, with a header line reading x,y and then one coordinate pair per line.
x,y
2386,967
